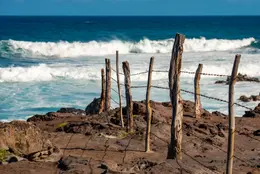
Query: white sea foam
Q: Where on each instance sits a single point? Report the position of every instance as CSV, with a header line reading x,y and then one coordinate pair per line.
x,y
94,48
44,72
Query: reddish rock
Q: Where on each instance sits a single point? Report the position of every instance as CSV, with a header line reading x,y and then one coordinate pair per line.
x,y
240,77
47,117
253,113
23,138
93,107
72,110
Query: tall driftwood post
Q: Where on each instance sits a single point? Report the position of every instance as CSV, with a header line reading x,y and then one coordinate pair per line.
x,y
103,94
231,119
174,149
197,91
148,107
128,95
119,90
108,85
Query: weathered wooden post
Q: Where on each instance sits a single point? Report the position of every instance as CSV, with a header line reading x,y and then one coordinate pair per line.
x,y
103,94
108,85
197,91
128,95
174,149
231,119
119,90
148,107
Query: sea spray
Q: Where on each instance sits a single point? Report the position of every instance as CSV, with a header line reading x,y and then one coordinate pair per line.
x,y
97,48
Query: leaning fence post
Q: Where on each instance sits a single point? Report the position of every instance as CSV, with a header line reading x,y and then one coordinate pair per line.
x,y
231,119
128,95
119,90
102,97
108,85
148,107
197,91
174,149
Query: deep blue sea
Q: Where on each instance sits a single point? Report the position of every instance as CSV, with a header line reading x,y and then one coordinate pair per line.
x,y
51,62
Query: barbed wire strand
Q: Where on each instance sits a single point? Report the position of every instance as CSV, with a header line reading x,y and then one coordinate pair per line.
x,y
117,92
205,96
114,100
139,73
190,72
135,74
206,74
218,99
115,71
138,86
114,79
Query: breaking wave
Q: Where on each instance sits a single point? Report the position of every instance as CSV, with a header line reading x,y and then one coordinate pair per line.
x,y
45,72
97,48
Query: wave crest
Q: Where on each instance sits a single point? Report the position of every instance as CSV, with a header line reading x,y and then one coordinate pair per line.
x,y
95,48
45,72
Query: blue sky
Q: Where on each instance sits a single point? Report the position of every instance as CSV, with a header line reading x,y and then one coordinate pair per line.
x,y
129,7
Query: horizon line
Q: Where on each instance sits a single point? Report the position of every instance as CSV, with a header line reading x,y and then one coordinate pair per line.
x,y
129,15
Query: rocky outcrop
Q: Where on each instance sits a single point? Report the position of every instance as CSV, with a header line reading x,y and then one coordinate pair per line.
x,y
97,144
257,132
89,128
52,154
253,113
244,98
70,162
251,98
189,108
23,139
55,115
93,107
240,78
219,114
6,157
244,77
72,111
162,112
47,117
75,164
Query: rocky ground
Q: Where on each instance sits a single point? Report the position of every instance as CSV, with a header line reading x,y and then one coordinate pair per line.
x,y
73,141
250,98
240,78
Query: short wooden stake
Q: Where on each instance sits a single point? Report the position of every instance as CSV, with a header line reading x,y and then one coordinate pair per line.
x,y
174,149
103,94
231,119
108,85
148,107
197,91
119,90
128,95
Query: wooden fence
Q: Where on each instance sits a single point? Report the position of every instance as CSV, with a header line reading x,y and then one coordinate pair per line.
x,y
174,149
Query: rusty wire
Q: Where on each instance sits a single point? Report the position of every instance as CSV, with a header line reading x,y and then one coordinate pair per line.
x,y
217,99
135,74
114,100
118,72
117,92
190,72
205,96
206,74
138,86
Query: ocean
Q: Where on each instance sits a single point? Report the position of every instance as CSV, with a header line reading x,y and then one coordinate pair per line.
x,y
51,62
